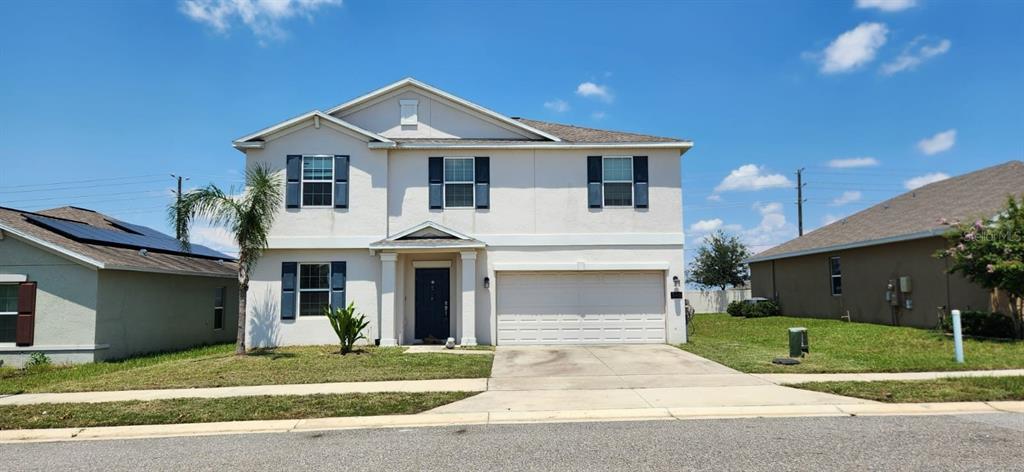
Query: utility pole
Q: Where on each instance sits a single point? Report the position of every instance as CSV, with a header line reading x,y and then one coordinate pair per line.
x,y
177,229
800,201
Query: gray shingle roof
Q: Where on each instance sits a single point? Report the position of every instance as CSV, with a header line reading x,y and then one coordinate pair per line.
x,y
979,194
111,256
579,134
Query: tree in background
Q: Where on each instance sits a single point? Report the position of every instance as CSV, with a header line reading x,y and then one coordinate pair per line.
x,y
990,253
719,262
248,217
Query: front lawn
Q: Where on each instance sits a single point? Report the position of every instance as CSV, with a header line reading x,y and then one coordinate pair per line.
x,y
750,344
961,389
205,410
217,366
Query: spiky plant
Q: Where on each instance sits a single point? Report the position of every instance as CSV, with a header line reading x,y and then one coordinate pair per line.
x,y
248,217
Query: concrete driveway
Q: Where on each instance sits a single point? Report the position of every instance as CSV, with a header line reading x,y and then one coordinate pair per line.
x,y
545,378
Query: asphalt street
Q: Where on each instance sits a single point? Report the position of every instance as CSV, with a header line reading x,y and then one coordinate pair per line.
x,y
976,442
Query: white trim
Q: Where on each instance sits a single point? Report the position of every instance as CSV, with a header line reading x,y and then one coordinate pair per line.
x,y
302,180
604,182
13,278
299,289
240,143
54,248
4,349
436,91
840,247
471,182
682,145
832,277
583,239
580,266
428,224
432,264
433,246
388,256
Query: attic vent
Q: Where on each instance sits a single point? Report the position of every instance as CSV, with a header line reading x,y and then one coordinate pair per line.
x,y
143,252
410,112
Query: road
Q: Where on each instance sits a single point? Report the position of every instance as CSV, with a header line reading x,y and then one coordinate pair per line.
x,y
976,442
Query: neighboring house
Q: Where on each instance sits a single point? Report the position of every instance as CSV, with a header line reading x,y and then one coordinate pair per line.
x,y
80,286
440,218
877,265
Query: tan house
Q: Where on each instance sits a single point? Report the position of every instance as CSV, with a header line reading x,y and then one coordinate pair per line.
x,y
877,265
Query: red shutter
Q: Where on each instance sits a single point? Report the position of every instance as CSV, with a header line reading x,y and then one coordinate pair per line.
x,y
26,325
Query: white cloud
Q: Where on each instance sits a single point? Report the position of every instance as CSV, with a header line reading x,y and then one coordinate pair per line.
x,y
706,226
922,180
263,17
848,196
829,219
752,177
215,238
853,162
940,142
592,90
598,115
887,5
557,105
772,230
714,198
914,54
853,48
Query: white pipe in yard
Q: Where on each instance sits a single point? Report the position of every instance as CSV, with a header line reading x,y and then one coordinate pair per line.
x,y
958,338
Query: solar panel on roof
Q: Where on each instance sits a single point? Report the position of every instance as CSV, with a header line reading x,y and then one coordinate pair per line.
x,y
147,238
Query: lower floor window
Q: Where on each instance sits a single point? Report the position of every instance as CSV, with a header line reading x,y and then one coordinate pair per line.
x,y
218,307
8,312
314,289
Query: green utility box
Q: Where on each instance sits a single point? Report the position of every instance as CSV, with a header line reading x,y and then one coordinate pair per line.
x,y
798,342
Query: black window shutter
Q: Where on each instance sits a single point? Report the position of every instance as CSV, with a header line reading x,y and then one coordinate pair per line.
x,y
436,182
341,181
292,175
25,324
594,181
288,282
338,284
640,181
483,182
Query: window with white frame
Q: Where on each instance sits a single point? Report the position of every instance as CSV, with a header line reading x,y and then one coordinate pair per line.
x,y
314,289
410,112
835,275
8,312
317,180
617,175
218,307
458,182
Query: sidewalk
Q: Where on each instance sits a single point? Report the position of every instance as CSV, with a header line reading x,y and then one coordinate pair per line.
x,y
497,418
783,379
442,385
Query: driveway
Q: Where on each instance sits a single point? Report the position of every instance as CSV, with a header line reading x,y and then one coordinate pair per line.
x,y
543,378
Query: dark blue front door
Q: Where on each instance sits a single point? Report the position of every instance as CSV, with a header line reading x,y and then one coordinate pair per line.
x,y
432,300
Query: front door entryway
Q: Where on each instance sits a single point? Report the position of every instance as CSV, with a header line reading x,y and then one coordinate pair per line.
x,y
432,302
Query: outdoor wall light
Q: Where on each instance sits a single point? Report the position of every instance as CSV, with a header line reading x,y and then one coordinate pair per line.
x,y
675,281
487,282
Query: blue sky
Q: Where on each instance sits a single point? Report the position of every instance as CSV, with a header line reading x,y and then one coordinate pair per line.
x,y
100,101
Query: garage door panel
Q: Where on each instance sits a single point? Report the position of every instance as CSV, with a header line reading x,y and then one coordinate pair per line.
x,y
580,308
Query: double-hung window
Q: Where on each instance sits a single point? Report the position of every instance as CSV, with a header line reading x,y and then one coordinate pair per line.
x,y
8,312
617,179
314,289
458,182
218,307
317,181
835,275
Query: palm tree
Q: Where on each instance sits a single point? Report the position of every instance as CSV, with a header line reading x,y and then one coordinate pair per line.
x,y
248,217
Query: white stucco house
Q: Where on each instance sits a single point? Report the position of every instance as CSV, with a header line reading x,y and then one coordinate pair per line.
x,y
441,218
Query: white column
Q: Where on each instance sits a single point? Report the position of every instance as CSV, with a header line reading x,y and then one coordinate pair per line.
x,y
387,298
468,298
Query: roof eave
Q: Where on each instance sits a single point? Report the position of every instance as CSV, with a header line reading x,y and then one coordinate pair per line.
x,y
683,146
854,245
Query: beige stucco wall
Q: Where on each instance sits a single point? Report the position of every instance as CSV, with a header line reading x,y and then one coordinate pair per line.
x,y
142,312
65,303
802,284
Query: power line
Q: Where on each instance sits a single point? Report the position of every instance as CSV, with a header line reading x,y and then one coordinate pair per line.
x,y
80,181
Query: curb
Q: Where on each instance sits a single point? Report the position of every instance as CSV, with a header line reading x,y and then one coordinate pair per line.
x,y
508,417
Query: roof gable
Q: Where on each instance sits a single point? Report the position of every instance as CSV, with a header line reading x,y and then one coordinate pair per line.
x,y
317,117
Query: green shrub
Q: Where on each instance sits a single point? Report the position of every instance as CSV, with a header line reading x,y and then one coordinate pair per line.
x,y
735,308
37,360
980,323
347,325
761,309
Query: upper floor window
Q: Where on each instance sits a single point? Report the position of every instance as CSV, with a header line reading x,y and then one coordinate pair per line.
x,y
410,112
458,182
314,289
8,312
317,180
617,179
835,275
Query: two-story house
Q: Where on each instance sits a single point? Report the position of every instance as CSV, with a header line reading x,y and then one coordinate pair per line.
x,y
440,218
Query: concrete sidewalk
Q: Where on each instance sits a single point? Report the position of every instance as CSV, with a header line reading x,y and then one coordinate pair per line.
x,y
442,385
484,418
782,379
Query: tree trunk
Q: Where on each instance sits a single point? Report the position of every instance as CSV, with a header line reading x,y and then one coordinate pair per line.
x,y
243,293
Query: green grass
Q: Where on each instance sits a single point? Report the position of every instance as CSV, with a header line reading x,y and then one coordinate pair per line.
x,y
750,345
205,410
217,366
963,389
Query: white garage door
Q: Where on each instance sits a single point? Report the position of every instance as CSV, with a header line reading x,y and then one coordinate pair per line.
x,y
580,307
